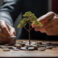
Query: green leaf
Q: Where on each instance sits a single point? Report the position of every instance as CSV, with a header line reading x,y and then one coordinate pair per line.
x,y
39,24
22,23
29,17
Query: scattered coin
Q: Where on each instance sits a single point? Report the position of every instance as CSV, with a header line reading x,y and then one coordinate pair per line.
x,y
18,46
15,49
23,48
0,46
10,47
41,45
36,48
6,49
22,44
3,46
49,47
49,44
33,43
42,49
30,48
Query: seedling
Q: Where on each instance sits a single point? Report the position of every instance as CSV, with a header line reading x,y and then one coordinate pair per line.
x,y
29,18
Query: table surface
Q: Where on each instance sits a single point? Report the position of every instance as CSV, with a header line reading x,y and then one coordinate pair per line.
x,y
47,53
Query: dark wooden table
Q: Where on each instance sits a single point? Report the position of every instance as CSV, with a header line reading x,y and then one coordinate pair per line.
x,y
47,53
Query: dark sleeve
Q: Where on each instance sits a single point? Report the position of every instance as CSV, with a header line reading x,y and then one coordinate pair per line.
x,y
9,10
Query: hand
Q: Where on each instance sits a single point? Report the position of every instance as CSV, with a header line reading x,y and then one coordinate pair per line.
x,y
52,27
50,22
6,31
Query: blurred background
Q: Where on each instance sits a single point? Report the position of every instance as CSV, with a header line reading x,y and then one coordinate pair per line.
x,y
1,1
49,5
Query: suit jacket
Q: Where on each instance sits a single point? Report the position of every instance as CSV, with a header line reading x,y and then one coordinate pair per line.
x,y
10,10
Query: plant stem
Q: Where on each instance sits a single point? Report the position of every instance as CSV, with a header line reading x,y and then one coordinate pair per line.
x,y
29,34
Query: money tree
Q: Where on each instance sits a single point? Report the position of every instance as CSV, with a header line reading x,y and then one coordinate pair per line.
x,y
29,18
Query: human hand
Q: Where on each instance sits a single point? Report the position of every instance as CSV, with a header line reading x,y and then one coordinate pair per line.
x,y
52,27
6,32
49,21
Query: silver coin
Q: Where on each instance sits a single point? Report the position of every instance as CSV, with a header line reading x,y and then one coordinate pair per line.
x,y
49,47
6,49
42,49
23,48
15,49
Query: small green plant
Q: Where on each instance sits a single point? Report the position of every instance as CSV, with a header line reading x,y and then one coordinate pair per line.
x,y
29,18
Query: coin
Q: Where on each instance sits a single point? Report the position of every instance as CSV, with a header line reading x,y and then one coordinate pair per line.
x,y
42,49
6,49
15,49
49,47
49,44
23,48
22,44
10,47
18,46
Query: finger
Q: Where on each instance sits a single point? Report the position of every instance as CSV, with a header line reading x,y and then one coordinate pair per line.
x,y
34,26
36,29
12,31
46,18
0,27
7,26
55,17
42,30
52,24
4,28
52,28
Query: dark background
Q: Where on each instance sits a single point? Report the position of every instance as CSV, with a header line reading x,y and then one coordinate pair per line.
x,y
55,6
43,36
41,9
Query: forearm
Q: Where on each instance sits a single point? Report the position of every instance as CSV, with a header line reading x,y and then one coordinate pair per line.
x,y
6,17
7,10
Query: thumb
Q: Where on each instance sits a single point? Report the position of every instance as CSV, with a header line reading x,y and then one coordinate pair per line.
x,y
12,32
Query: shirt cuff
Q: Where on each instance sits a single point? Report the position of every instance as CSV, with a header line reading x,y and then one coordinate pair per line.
x,y
7,21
